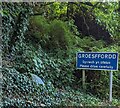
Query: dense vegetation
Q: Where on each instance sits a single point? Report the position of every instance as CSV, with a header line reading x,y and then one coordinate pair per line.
x,y
43,39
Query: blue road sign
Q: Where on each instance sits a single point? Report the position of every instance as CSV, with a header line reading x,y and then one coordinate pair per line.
x,y
97,60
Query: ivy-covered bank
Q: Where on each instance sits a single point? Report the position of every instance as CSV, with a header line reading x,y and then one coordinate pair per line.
x,y
39,46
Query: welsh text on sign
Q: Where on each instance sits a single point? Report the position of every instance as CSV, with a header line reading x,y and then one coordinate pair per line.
x,y
97,60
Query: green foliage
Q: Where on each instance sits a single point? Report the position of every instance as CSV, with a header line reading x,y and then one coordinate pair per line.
x,y
50,60
29,60
59,33
90,44
73,27
56,10
23,57
107,15
15,23
52,34
105,75
21,91
40,25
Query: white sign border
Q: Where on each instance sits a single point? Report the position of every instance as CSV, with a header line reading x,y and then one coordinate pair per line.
x,y
98,69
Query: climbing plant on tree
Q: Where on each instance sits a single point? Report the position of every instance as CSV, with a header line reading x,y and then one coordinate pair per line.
x,y
15,23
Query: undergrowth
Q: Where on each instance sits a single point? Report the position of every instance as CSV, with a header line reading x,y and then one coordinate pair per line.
x,y
48,49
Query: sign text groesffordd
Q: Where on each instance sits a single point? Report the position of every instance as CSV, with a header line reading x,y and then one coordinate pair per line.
x,y
97,60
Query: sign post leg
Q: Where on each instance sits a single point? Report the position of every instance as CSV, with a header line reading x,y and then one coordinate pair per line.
x,y
83,79
111,78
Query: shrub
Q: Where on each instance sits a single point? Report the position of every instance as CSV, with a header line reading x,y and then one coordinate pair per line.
x,y
60,35
39,24
53,35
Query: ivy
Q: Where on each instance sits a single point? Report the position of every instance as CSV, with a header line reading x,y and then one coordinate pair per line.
x,y
46,45
15,22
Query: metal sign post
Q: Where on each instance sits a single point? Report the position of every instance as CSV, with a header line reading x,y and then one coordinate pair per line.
x,y
98,61
111,78
83,79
